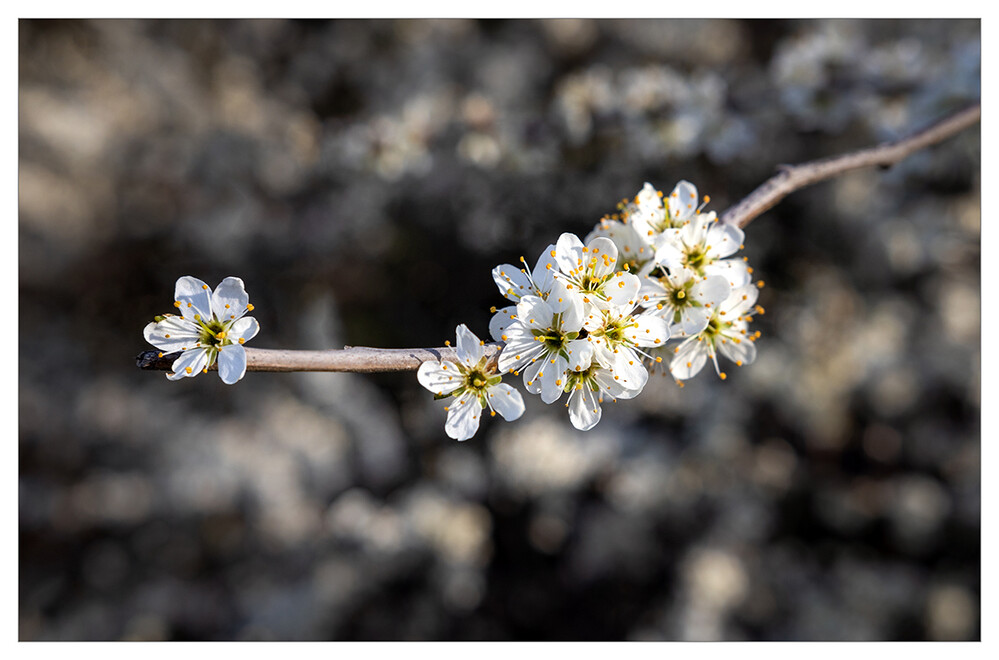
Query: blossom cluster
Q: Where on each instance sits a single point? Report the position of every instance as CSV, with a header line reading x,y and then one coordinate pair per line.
x,y
657,283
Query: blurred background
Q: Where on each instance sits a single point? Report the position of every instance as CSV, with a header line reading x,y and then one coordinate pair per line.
x,y
363,177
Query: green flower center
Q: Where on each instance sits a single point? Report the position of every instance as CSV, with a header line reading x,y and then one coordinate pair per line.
x,y
214,333
614,332
584,378
553,339
477,380
696,258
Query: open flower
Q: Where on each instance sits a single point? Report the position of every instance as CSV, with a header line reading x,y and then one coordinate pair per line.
x,y
514,283
650,217
682,298
588,388
618,338
633,251
472,385
590,271
727,332
212,326
702,244
544,344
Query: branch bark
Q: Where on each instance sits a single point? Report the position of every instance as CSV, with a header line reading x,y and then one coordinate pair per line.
x,y
795,177
355,359
359,359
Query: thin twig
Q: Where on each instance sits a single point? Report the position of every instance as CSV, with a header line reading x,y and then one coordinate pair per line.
x,y
885,155
358,359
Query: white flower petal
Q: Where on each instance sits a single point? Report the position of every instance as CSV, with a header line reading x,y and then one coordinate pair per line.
x,y
173,333
560,297
738,349
534,313
230,300
739,301
232,363
648,197
463,417
629,369
544,271
603,354
683,201
650,331
572,315
596,318
584,409
735,271
552,378
669,249
440,377
724,240
580,354
712,290
512,282
569,254
622,289
604,378
245,328
601,256
532,381
520,349
501,320
194,297
506,401
689,358
469,347
692,321
189,364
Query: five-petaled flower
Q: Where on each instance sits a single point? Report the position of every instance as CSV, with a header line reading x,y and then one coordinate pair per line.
x,y
212,326
472,384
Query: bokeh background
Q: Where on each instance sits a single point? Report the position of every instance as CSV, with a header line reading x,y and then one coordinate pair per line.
x,y
363,177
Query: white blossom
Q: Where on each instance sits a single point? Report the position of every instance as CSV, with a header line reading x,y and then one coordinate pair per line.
x,y
589,270
633,251
544,344
212,326
473,387
588,387
702,243
681,297
618,338
727,332
514,283
651,217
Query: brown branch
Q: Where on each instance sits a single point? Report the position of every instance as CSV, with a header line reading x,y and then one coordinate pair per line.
x,y
794,177
358,359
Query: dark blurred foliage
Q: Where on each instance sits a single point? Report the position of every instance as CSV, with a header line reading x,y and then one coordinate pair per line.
x,y
363,177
